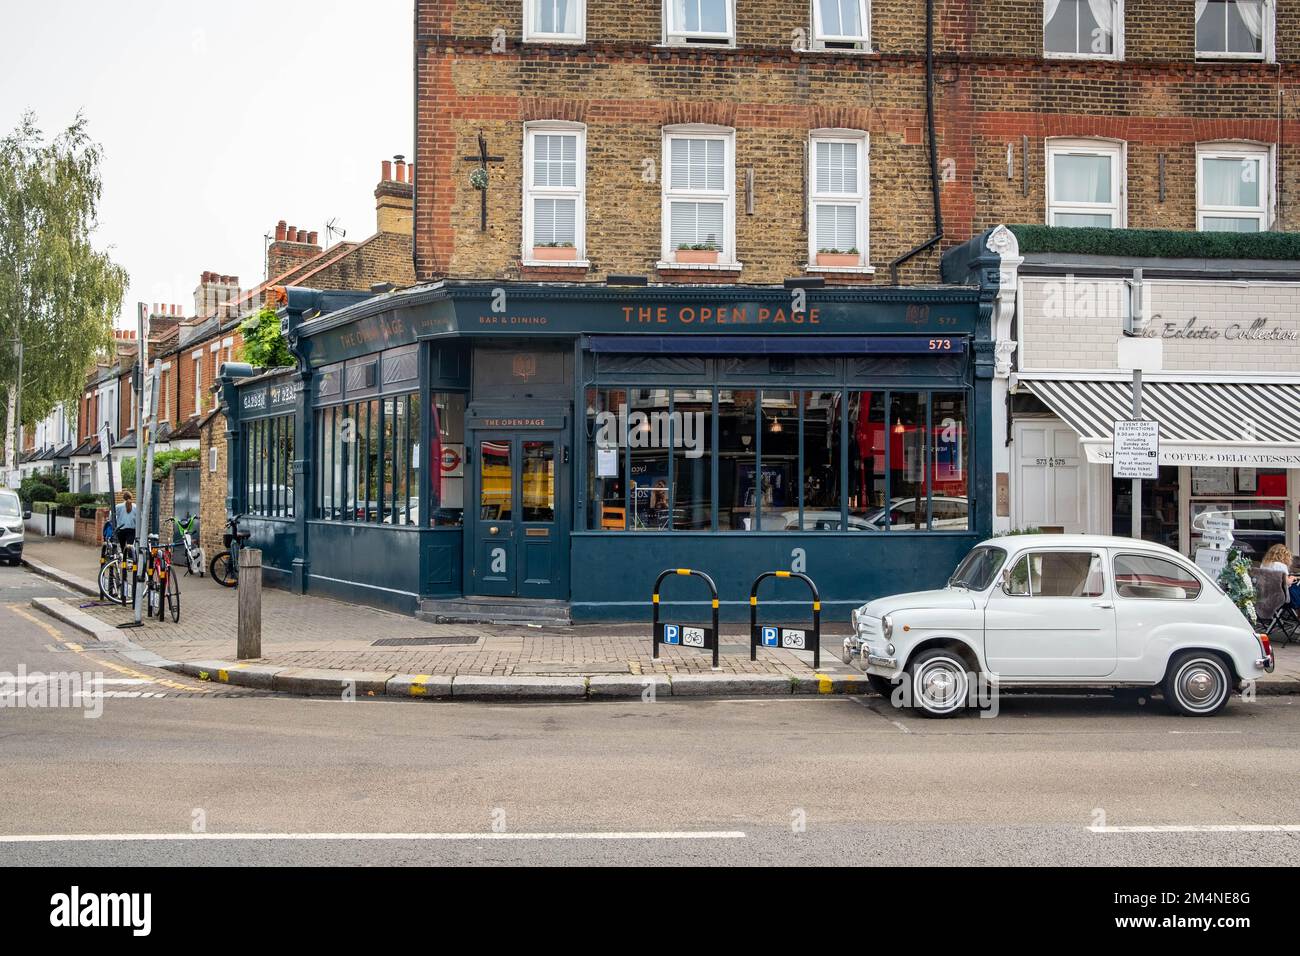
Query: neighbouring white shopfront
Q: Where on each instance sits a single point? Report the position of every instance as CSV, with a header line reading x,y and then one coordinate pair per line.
x,y
1227,401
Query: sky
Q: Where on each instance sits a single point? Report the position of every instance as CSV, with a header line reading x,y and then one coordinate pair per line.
x,y
217,120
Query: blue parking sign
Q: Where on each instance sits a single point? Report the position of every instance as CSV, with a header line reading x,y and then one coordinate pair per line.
x,y
672,634
771,637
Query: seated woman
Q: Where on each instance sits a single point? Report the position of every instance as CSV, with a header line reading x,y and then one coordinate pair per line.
x,y
1278,558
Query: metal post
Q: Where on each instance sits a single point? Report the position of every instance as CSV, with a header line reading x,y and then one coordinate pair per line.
x,y
1137,482
249,641
142,518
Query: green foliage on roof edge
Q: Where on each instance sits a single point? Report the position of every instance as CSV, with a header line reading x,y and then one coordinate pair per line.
x,y
1157,243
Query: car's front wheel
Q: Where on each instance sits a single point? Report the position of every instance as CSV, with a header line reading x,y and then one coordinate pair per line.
x,y
939,681
1197,684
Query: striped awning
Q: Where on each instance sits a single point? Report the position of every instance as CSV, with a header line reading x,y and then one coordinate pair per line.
x,y
1207,424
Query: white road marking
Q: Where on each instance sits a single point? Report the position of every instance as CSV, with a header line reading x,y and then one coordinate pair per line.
x,y
376,837
1205,828
62,676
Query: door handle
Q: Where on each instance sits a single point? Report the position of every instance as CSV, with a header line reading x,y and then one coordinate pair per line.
x,y
1104,605
494,529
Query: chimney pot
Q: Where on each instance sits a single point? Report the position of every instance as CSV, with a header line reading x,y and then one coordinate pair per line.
x,y
401,172
302,235
313,238
280,228
387,175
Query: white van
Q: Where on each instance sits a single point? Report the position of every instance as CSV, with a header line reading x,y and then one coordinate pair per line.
x,y
12,517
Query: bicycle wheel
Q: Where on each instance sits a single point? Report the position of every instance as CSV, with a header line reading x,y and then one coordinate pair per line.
x,y
174,596
222,570
112,583
153,598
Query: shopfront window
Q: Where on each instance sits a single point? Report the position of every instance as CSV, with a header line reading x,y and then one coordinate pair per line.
x,y
268,451
446,460
1252,501
1159,508
779,459
368,463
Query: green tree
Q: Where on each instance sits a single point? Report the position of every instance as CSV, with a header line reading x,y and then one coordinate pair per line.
x,y
59,296
264,346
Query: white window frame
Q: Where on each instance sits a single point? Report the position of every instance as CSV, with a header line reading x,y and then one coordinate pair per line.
x,y
197,358
861,197
1117,151
1268,49
727,256
1232,150
863,43
682,38
1117,41
532,191
534,36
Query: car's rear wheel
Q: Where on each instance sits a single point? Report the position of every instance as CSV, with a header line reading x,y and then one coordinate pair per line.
x,y
940,682
1197,684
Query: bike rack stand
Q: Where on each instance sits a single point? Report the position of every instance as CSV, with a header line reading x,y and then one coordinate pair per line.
x,y
788,638
686,635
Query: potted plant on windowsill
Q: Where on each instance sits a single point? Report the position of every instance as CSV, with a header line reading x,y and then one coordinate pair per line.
x,y
840,258
555,252
699,252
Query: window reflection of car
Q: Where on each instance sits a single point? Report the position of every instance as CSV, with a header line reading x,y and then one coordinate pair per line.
x,y
948,513
813,520
1254,529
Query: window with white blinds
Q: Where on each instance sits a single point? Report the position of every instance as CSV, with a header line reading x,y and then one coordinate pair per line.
x,y
563,20
699,21
837,193
699,193
555,182
841,24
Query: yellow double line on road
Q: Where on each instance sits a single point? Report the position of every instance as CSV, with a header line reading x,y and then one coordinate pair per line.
x,y
118,668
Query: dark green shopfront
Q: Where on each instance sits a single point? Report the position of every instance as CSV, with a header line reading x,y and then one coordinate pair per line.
x,y
563,444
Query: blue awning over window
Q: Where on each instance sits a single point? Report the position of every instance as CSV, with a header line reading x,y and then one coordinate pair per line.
x,y
775,345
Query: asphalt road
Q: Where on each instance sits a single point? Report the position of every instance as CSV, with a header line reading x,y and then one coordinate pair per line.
x,y
821,781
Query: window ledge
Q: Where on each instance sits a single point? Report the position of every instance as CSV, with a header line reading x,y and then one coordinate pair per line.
x,y
555,263
1052,55
858,270
837,51
700,266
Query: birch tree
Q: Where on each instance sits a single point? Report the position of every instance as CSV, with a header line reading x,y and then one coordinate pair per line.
x,y
59,296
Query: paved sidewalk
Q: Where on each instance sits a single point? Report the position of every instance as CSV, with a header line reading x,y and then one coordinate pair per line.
x,y
313,632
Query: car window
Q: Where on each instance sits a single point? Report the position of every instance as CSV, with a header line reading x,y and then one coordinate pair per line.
x,y
9,505
1146,576
1058,574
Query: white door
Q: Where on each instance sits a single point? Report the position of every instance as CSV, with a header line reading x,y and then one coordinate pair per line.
x,y
1057,621
1050,477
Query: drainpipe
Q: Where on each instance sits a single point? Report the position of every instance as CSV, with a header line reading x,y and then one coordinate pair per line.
x,y
934,149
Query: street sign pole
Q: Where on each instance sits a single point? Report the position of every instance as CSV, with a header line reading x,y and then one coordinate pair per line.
x,y
142,518
1137,482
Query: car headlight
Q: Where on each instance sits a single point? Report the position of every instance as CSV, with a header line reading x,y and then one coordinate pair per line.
x,y
887,626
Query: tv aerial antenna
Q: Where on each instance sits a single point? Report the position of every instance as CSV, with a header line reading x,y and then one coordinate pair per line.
x,y
333,229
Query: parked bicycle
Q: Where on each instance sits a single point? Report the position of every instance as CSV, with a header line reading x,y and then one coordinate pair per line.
x,y
225,566
163,594
195,560
117,572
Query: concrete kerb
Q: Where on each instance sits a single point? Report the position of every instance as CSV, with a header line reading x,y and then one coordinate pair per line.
x,y
66,578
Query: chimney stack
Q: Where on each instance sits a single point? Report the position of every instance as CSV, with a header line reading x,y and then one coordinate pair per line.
x,y
394,197
216,294
292,248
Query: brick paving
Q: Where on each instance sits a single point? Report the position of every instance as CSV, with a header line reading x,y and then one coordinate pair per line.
x,y
303,631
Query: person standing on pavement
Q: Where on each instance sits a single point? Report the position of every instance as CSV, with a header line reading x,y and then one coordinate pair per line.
x,y
124,517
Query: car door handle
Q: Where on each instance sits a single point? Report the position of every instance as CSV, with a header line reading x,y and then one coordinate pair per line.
x,y
1105,606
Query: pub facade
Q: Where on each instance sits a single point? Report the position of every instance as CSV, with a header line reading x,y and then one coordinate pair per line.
x,y
553,447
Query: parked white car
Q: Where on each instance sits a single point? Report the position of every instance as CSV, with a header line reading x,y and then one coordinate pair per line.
x,y
12,517
1061,611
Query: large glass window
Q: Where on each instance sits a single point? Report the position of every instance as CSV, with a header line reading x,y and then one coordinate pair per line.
x,y
369,460
779,464
268,467
1232,28
554,182
699,197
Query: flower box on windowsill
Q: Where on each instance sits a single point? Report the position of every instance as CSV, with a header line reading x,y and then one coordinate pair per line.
x,y
698,256
839,260
554,254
